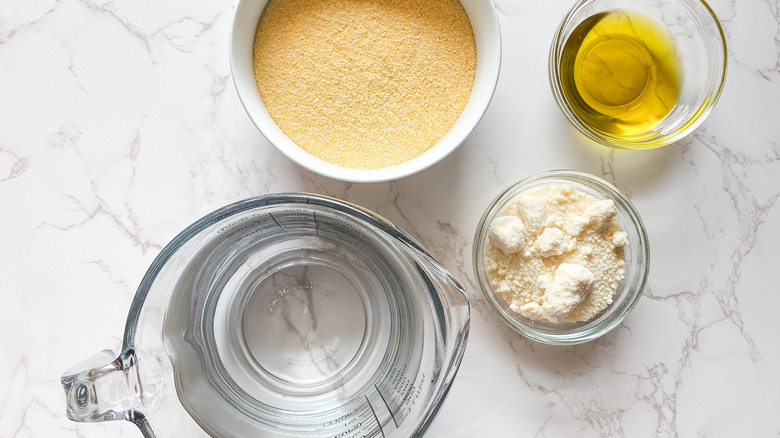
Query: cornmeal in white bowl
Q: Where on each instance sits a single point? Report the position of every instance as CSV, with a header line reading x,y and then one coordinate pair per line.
x,y
364,84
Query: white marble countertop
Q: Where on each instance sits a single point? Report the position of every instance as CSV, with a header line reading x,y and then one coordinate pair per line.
x,y
119,126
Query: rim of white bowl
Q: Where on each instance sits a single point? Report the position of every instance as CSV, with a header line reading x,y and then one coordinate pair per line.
x,y
487,35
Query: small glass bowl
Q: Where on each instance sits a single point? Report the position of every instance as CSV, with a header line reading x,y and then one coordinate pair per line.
x,y
701,49
637,262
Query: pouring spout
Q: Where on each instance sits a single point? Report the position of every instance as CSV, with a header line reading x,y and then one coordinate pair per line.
x,y
105,388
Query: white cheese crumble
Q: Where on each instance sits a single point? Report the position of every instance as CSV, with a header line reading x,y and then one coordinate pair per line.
x,y
552,242
556,254
571,285
600,213
620,238
508,234
533,212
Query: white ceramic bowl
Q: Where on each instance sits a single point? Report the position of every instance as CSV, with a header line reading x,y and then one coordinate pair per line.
x,y
484,22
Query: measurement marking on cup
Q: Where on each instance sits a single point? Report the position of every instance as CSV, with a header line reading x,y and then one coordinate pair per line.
x,y
277,222
360,423
305,287
396,413
386,405
399,392
378,423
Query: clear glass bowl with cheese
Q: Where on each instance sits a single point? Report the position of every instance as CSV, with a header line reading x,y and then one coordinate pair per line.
x,y
561,257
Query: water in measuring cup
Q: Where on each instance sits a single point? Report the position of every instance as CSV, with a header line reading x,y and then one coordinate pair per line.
x,y
303,323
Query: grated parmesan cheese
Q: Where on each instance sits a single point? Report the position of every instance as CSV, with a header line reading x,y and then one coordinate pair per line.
x,y
508,234
573,260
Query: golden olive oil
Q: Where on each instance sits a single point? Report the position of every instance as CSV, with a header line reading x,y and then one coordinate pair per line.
x,y
620,72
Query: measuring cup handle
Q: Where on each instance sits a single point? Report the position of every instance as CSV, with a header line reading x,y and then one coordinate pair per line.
x,y
104,388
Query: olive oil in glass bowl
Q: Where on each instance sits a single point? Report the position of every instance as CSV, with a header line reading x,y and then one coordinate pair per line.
x,y
620,72
638,74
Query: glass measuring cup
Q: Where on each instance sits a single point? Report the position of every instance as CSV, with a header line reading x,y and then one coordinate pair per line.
x,y
282,316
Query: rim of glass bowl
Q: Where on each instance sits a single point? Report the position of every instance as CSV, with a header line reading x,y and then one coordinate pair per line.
x,y
589,330
642,141
294,198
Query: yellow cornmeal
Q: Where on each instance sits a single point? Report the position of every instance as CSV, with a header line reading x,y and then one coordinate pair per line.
x,y
364,83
